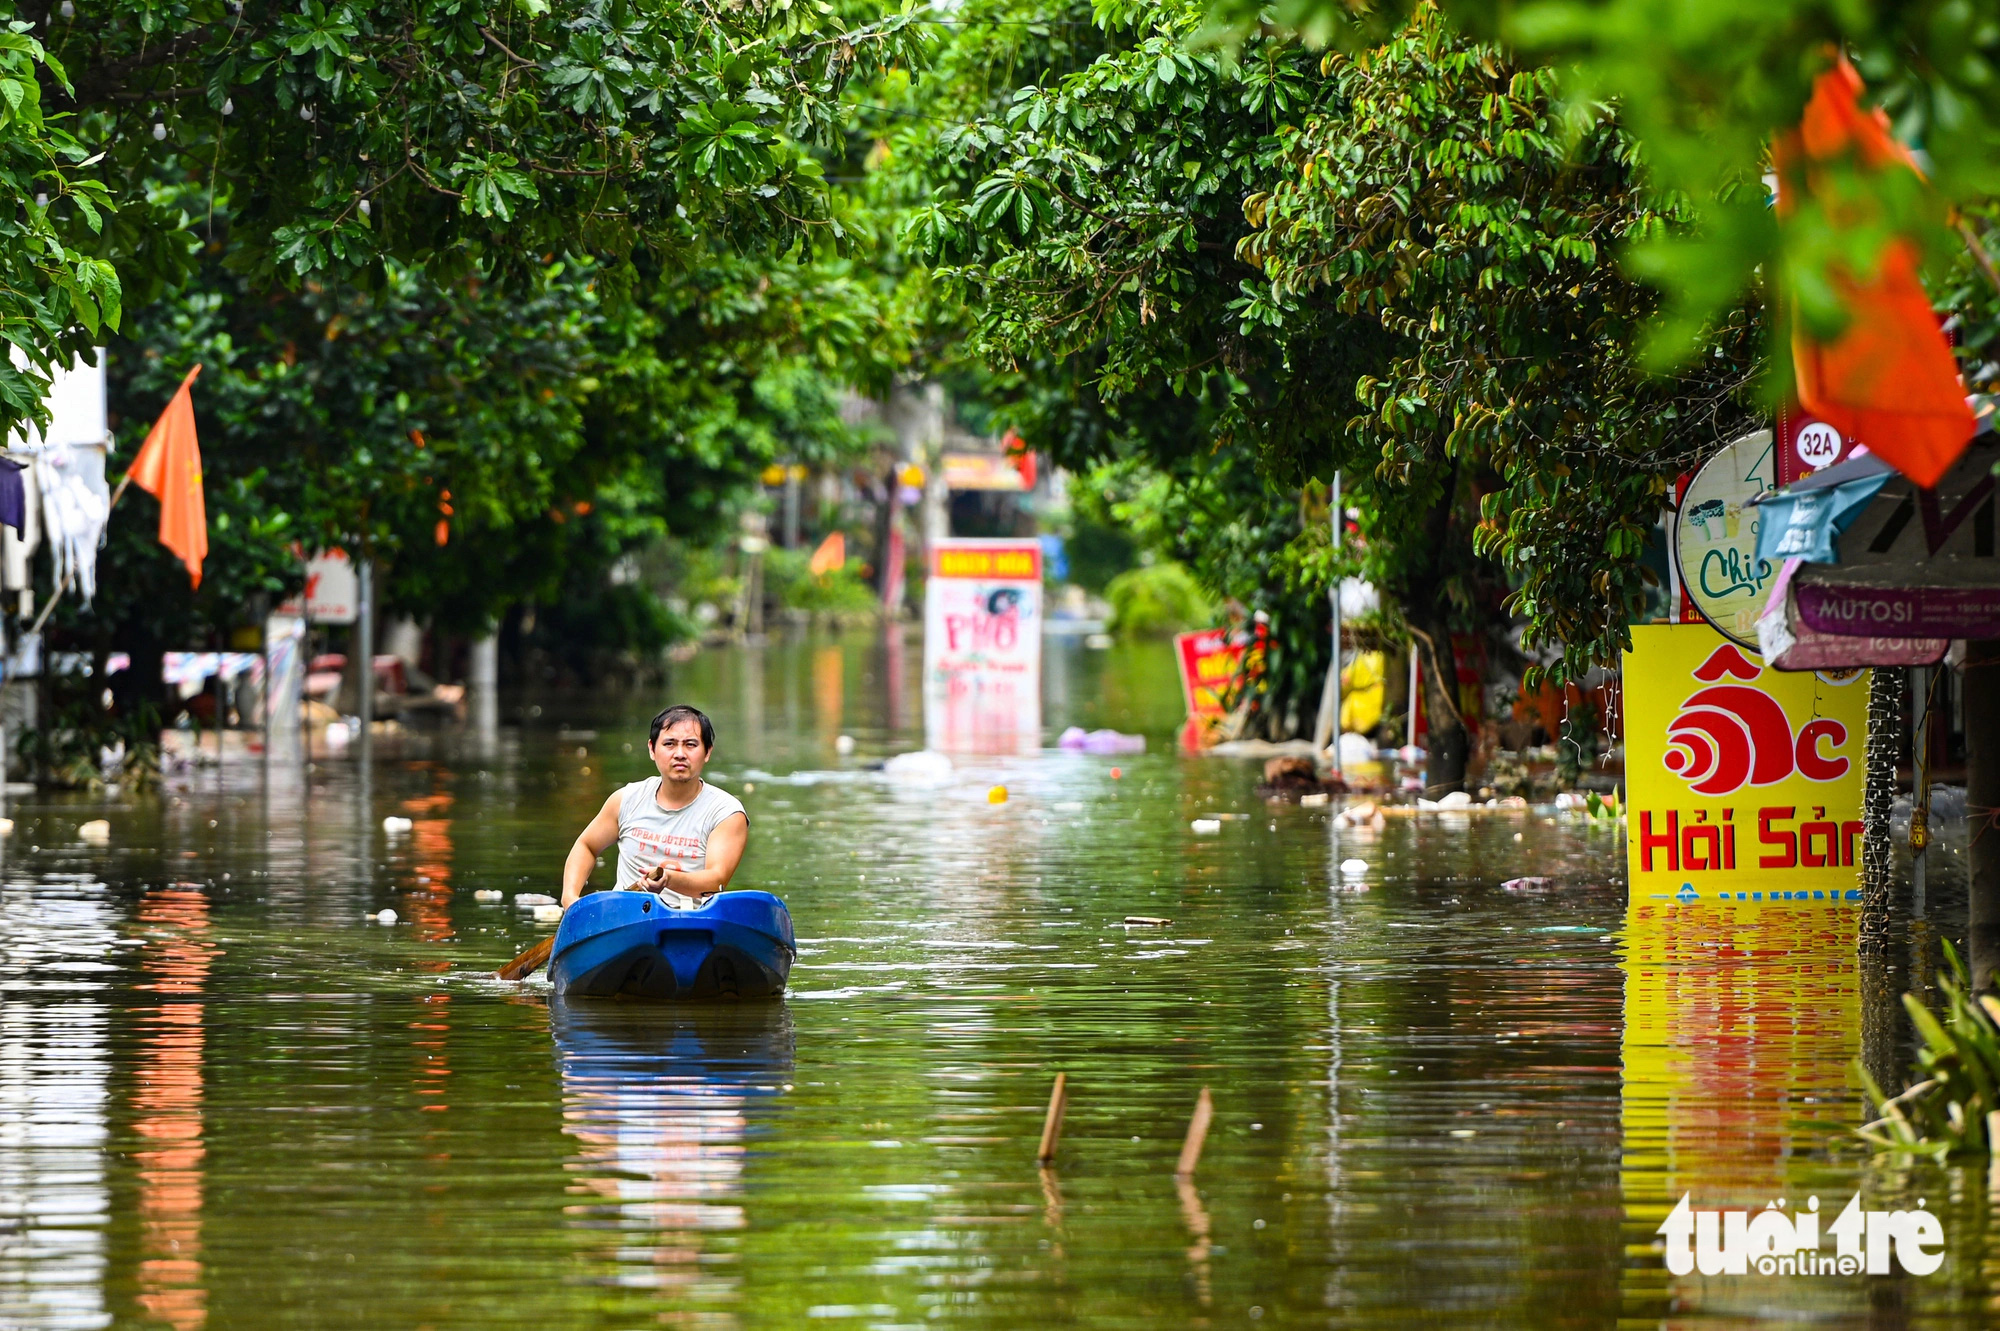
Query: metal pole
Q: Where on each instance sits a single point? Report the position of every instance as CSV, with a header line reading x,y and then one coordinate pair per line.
x,y
1981,701
6,670
305,718
485,680
1411,741
1919,790
1337,534
264,697
1885,742
364,633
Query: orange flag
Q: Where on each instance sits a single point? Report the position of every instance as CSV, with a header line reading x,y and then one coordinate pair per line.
x,y
831,555
1888,380
169,468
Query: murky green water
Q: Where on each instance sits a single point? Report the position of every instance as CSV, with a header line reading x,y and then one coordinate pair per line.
x,y
226,1101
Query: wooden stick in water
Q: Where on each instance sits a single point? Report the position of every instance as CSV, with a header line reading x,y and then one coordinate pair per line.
x,y
521,967
1197,1133
1052,1124
1993,1151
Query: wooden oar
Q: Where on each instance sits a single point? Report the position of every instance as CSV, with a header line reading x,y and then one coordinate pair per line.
x,y
521,967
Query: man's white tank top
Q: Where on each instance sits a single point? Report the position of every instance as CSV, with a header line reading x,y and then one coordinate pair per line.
x,y
678,838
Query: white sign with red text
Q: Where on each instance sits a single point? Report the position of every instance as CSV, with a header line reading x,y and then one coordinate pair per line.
x,y
333,589
983,647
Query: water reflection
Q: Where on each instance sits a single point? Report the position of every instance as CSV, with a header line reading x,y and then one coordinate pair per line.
x,y
167,1105
664,1102
1740,1023
428,896
828,691
1437,1101
55,1067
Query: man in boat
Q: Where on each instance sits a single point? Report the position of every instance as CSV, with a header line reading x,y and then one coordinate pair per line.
x,y
675,832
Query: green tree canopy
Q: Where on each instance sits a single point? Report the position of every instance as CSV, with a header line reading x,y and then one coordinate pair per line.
x,y
1396,265
467,139
1705,87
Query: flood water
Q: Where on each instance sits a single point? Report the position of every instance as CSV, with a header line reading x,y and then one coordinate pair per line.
x,y
227,1101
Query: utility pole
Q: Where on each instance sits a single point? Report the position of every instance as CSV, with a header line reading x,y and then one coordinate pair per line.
x,y
1981,676
6,669
1920,775
364,636
1326,730
1338,533
485,680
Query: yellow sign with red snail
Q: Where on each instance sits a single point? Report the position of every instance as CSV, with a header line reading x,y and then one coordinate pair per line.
x,y
1743,783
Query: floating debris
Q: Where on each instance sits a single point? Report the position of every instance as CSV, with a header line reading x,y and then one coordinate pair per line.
x,y
1078,740
97,831
1354,868
386,915
923,767
489,894
1205,826
526,899
1155,920
392,824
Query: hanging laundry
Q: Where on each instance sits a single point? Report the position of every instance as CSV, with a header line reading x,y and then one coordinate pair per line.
x,y
75,504
13,496
16,573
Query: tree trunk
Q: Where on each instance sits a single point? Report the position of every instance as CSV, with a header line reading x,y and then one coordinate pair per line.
x,y
1982,798
1448,744
1427,609
885,518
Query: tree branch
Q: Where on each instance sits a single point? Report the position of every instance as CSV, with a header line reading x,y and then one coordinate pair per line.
x,y
107,81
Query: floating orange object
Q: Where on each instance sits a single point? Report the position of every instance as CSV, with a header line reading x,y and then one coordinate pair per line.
x,y
1116,773
1889,378
169,468
997,795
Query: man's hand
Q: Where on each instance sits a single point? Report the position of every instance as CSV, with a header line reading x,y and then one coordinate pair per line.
x,y
660,878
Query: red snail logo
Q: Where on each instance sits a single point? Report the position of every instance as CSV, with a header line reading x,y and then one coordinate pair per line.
x,y
1728,736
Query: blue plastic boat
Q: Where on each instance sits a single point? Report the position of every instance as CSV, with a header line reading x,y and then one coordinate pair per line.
x,y
630,944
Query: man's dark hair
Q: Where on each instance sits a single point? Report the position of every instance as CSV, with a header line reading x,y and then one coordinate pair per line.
x,y
678,713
